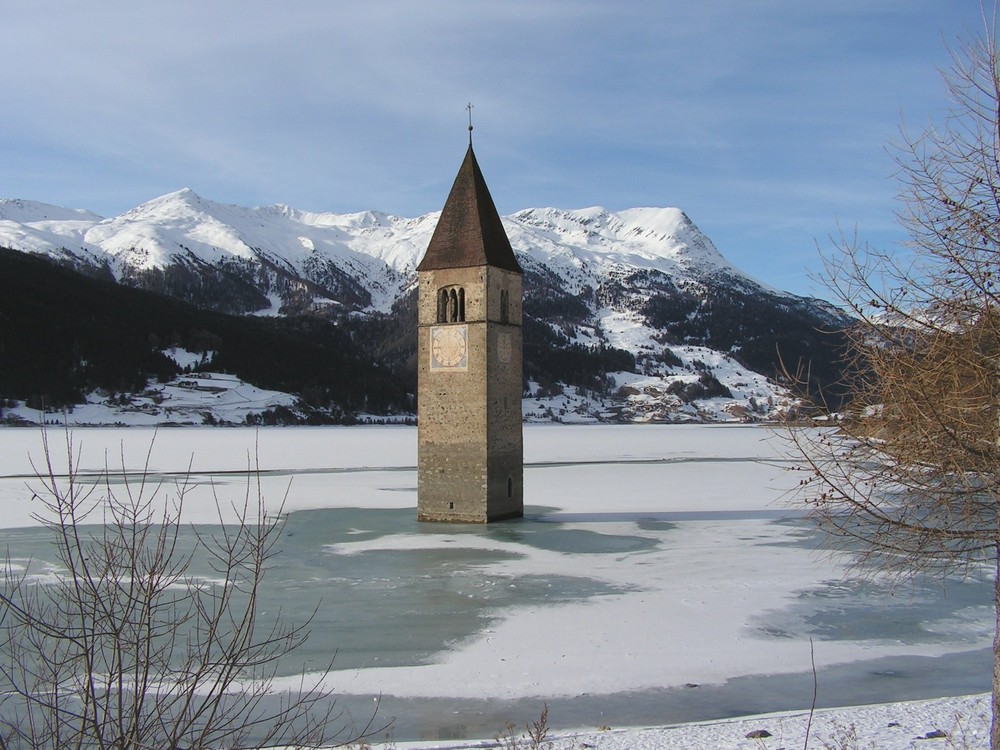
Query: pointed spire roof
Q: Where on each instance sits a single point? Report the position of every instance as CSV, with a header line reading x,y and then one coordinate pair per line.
x,y
469,232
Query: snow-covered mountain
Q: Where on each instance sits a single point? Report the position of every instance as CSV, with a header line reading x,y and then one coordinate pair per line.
x,y
643,280
363,260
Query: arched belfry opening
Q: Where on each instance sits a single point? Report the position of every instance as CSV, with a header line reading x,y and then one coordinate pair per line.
x,y
470,451
451,305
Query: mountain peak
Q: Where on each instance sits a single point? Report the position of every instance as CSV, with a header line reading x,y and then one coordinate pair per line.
x,y
663,239
183,202
32,212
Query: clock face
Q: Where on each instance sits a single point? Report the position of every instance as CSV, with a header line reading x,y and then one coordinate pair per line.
x,y
504,347
449,347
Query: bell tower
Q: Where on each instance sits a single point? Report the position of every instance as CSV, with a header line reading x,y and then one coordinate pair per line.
x,y
470,451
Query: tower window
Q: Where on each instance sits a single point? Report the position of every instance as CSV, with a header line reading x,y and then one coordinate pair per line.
x,y
442,311
504,306
451,305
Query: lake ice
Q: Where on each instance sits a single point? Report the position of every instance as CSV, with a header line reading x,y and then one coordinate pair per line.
x,y
662,574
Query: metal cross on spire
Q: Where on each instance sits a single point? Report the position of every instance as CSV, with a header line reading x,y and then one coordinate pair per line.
x,y
469,107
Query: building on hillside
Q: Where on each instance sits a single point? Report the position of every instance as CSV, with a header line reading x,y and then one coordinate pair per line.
x,y
470,452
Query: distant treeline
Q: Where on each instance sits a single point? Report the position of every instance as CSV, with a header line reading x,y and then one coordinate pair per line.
x,y
64,334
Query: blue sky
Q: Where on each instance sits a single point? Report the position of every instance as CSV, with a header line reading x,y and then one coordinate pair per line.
x,y
767,121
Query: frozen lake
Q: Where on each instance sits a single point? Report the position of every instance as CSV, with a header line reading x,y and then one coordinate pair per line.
x,y
661,575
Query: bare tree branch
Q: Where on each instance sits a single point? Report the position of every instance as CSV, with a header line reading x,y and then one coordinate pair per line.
x,y
124,647
909,479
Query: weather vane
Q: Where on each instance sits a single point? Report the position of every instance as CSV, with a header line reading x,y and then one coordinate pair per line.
x,y
469,107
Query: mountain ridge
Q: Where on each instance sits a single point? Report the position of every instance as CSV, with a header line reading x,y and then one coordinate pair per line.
x,y
645,281
184,224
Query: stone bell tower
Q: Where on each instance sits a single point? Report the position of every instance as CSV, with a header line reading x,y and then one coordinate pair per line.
x,y
470,450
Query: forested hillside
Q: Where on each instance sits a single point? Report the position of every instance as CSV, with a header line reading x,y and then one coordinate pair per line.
x,y
64,334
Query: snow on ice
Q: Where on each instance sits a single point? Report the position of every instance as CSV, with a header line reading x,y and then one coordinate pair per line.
x,y
709,594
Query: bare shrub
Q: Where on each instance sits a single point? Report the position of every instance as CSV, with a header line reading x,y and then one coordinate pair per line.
x,y
122,646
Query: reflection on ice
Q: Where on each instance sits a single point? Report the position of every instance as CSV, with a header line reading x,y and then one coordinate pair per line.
x,y
395,592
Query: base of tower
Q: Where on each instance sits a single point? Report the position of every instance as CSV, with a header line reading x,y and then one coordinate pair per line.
x,y
511,515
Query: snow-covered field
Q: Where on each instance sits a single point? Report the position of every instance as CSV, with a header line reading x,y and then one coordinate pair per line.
x,y
663,574
948,723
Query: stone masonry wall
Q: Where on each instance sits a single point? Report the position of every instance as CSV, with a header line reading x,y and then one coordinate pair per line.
x,y
470,451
